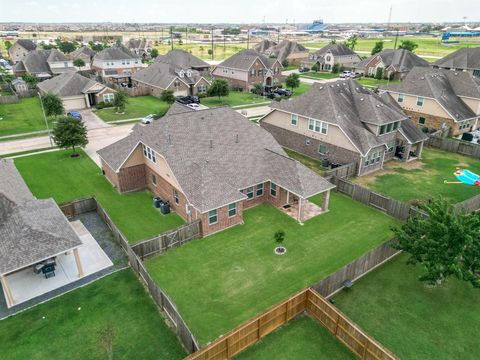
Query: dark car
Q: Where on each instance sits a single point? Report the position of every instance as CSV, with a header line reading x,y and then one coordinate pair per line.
x,y
283,92
75,115
274,95
188,99
303,69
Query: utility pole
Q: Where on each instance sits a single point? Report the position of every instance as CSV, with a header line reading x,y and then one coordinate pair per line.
x,y
278,36
212,42
45,118
248,38
186,34
396,38
171,36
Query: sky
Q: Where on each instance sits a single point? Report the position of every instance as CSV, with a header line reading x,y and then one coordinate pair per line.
x,y
238,11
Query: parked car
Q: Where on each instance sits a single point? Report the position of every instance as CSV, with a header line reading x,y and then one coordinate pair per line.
x,y
283,92
74,114
303,69
148,119
193,106
346,74
274,95
185,100
355,75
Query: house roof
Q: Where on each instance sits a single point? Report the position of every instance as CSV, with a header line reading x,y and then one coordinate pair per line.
x,y
214,153
177,108
84,51
35,62
348,105
285,48
400,59
68,84
445,86
464,58
162,74
182,59
136,44
31,230
115,53
27,44
56,55
244,59
335,50
263,45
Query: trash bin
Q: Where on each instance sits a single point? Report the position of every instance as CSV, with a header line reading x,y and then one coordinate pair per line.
x,y
165,207
157,201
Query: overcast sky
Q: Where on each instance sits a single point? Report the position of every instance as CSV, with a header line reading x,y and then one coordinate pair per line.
x,y
237,11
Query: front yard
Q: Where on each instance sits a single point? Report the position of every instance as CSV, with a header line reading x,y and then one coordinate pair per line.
x,y
319,75
372,82
58,175
423,179
225,279
414,320
67,327
137,107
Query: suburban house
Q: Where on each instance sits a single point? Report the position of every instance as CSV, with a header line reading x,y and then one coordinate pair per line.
x,y
330,55
343,123
439,99
84,53
76,91
162,76
264,45
138,47
117,64
211,165
465,59
184,60
395,64
43,64
20,85
20,49
247,68
286,50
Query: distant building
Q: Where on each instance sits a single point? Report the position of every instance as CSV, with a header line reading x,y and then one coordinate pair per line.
x,y
465,59
326,57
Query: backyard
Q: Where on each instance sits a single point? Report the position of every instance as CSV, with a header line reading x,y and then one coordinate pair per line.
x,y
423,179
301,338
372,82
414,320
67,327
307,161
136,107
223,280
57,175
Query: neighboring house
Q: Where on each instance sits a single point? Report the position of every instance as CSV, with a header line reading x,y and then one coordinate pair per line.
x,y
20,85
290,51
163,76
211,165
117,64
138,47
84,53
184,60
43,64
465,59
20,49
436,99
330,55
264,45
395,63
76,91
247,68
342,122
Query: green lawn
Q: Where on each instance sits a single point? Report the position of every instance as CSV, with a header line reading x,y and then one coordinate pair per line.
x,y
58,175
366,81
234,98
22,117
414,320
137,107
303,88
225,279
57,329
319,75
301,338
425,178
307,161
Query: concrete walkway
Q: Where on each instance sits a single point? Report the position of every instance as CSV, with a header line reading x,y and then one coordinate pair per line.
x,y
254,111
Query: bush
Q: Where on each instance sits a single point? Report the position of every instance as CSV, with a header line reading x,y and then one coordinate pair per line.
x,y
279,236
202,95
335,68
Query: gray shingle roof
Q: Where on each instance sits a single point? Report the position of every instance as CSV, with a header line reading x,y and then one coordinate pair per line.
x,y
182,59
400,59
348,105
177,108
335,50
263,45
162,74
31,230
244,59
27,44
84,51
285,48
36,62
115,53
67,84
56,55
209,163
465,58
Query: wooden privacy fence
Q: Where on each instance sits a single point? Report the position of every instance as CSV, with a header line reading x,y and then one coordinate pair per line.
x,y
168,240
469,205
453,145
9,99
308,300
343,172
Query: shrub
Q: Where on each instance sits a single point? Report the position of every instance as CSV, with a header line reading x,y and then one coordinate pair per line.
x,y
279,236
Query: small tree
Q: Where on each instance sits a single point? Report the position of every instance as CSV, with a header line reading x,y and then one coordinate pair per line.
x,y
31,80
218,88
379,73
279,236
210,52
408,45
335,68
70,132
315,67
167,96
105,339
8,44
352,42
292,81
377,48
78,62
119,101
154,53
257,89
285,63
52,104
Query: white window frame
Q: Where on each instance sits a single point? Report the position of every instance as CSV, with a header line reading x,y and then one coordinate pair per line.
x,y
149,154
108,97
250,193
293,120
273,189
230,209
154,180
213,214
400,98
326,149
421,100
318,126
259,188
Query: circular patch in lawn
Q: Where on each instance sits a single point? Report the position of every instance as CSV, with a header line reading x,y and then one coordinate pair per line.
x,y
280,250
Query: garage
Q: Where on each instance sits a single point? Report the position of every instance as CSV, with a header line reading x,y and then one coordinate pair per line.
x,y
74,103
181,93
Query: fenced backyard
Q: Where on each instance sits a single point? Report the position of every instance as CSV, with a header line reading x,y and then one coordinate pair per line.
x,y
343,172
455,146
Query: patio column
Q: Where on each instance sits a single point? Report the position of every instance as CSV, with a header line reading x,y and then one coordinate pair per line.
x,y
288,197
8,292
300,210
419,150
79,263
326,200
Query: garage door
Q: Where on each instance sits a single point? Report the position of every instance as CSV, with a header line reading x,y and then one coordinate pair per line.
x,y
181,93
74,103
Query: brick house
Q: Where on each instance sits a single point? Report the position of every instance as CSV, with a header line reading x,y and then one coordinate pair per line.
x,y
343,122
20,49
330,55
211,165
44,64
247,68
465,59
84,53
437,98
184,60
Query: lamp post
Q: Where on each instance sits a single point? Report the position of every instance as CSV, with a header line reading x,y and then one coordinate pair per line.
x,y
45,118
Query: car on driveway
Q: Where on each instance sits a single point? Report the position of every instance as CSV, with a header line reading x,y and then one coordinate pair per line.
x,y
185,100
193,106
346,74
274,95
75,115
148,119
303,69
283,92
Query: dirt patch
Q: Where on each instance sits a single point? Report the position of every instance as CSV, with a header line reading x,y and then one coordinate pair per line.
x,y
390,167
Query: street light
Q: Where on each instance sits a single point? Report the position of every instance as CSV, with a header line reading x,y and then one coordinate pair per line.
x,y
45,118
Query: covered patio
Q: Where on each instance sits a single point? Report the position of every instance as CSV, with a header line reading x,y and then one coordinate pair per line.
x,y
302,209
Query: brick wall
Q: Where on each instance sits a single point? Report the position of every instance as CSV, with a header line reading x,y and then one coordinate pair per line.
x,y
435,122
223,220
110,174
234,83
131,178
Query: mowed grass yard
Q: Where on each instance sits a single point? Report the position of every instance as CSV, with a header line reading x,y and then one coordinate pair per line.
x,y
22,117
319,75
301,338
372,82
225,279
67,327
412,319
58,175
137,107
424,179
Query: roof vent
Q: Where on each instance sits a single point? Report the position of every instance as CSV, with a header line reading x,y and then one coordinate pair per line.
x,y
361,99
236,139
211,144
378,105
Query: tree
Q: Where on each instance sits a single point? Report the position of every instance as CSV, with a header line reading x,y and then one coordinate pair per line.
x,y
78,62
210,52
285,63
66,46
154,53
352,42
279,236
167,96
257,89
447,243
335,68
408,45
52,104
292,81
30,79
119,101
70,132
377,48
379,73
218,88
105,339
8,44
333,41
315,67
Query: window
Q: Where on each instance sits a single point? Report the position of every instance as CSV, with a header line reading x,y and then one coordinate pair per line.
x,y
318,126
421,120
189,73
181,74
373,158
176,83
391,146
294,120
249,193
175,196
273,189
108,98
65,64
322,149
225,70
307,141
259,191
233,71
389,127
396,125
382,129
420,101
400,98
232,210
154,180
212,217
202,88
252,72
123,62
149,153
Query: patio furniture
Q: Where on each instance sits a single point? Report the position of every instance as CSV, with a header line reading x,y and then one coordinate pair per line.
x,y
37,269
49,271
